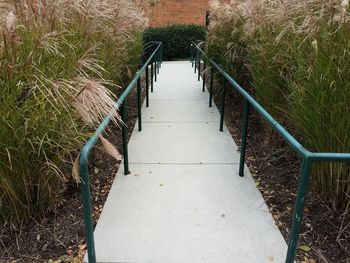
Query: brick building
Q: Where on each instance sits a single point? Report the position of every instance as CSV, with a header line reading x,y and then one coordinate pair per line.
x,y
168,12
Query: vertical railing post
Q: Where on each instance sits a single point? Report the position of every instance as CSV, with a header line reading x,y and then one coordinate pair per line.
x,y
139,116
195,61
204,66
151,77
199,66
303,186
158,59
155,70
211,86
192,54
147,87
125,135
244,137
223,96
86,198
161,55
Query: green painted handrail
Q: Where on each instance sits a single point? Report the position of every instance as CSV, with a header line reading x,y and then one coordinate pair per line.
x,y
156,58
308,157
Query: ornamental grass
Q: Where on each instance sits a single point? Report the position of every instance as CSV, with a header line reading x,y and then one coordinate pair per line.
x,y
62,65
295,56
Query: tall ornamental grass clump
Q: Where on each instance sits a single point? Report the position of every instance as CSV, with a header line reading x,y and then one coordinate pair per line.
x,y
297,56
226,40
60,64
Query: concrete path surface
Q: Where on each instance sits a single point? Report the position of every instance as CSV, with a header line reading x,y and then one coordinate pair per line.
x,y
184,201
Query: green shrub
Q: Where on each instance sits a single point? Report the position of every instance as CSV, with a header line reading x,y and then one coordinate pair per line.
x,y
296,54
176,39
58,63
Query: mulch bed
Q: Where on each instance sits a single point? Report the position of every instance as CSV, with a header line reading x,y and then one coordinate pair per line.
x,y
275,168
58,236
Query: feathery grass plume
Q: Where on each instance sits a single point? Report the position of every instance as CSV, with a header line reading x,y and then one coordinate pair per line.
x,y
76,170
110,148
94,102
295,55
58,60
10,23
226,24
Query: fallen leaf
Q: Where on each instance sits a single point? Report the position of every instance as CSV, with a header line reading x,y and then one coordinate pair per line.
x,y
277,216
82,247
308,225
76,169
306,260
305,248
270,258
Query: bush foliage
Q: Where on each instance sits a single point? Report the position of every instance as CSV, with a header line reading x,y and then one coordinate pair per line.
x,y
176,39
296,56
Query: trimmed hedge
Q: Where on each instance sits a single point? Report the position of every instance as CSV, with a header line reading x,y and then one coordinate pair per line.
x,y
176,39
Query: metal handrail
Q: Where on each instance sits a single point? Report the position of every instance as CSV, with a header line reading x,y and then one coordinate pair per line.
x,y
308,157
156,59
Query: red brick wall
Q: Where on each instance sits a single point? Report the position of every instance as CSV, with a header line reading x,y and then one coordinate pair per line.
x,y
168,12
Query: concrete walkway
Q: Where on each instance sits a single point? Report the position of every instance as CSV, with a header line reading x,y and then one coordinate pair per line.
x,y
184,201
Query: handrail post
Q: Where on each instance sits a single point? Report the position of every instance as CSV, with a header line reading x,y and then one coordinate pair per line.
x,y
303,186
125,135
199,66
147,87
192,54
151,77
204,65
223,95
86,199
155,70
211,86
195,61
162,50
139,114
158,64
161,56
244,137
